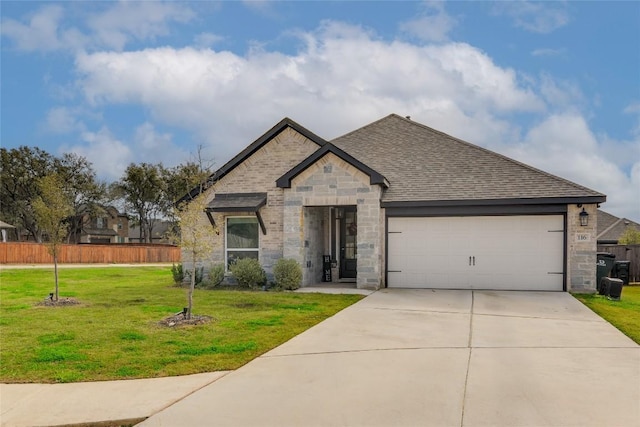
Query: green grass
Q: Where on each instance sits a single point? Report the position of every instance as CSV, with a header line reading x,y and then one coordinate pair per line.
x,y
623,314
114,332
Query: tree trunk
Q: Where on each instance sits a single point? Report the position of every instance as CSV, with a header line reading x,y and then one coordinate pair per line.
x,y
55,270
192,286
149,231
142,231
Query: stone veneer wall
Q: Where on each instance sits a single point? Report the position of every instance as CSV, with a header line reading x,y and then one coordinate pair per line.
x,y
581,249
315,244
258,174
333,182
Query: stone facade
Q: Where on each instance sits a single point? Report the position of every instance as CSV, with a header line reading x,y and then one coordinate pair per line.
x,y
331,181
581,249
259,173
298,219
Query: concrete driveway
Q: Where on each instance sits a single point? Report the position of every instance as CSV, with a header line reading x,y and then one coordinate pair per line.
x,y
434,358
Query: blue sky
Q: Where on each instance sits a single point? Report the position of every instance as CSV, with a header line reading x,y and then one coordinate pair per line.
x,y
553,84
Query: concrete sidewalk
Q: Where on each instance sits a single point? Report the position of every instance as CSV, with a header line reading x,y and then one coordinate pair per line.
x,y
396,358
108,403
434,358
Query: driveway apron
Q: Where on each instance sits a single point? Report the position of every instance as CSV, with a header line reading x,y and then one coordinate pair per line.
x,y
434,358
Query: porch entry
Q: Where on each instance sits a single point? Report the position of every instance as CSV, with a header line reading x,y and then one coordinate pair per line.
x,y
346,241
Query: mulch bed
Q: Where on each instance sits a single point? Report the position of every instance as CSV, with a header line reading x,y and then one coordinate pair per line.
x,y
62,302
180,320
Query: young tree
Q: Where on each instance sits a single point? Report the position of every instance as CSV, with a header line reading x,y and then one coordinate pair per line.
x,y
631,236
196,239
51,209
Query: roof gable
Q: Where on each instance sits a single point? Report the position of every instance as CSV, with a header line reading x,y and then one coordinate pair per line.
x,y
251,149
374,177
426,165
612,227
605,220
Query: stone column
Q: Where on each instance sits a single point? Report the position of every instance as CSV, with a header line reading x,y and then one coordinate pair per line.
x,y
581,249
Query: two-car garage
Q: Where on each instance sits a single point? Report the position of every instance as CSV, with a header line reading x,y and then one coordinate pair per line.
x,y
518,252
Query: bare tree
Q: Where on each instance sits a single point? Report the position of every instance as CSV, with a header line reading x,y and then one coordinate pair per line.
x,y
51,209
196,239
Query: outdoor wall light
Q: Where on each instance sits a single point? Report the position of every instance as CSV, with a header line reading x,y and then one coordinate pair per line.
x,y
584,218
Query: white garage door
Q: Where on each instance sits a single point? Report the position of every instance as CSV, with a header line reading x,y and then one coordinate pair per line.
x,y
488,252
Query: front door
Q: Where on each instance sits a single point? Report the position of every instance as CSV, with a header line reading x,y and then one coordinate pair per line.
x,y
348,244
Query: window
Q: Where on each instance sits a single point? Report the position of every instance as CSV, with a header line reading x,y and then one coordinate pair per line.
x,y
243,239
100,222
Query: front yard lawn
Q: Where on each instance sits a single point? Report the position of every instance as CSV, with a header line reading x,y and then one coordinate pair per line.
x,y
623,314
114,332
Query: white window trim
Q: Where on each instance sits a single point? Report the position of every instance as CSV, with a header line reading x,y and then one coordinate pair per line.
x,y
226,249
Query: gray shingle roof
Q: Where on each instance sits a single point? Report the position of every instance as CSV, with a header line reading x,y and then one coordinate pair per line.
x,y
605,220
611,228
423,164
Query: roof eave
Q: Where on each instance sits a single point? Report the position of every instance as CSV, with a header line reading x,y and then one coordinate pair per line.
x,y
495,202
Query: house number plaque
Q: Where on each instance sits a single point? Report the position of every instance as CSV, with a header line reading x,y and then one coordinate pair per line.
x,y
583,237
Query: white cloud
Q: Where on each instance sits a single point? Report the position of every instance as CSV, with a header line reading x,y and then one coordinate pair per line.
x,y
537,17
42,32
634,109
263,7
345,77
433,24
63,120
109,156
548,52
154,147
119,24
136,20
205,40
560,94
225,97
563,145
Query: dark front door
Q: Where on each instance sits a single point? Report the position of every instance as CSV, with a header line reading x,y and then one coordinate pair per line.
x,y
348,244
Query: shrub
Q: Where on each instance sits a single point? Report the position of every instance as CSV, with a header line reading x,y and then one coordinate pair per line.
x,y
216,275
248,272
287,274
178,274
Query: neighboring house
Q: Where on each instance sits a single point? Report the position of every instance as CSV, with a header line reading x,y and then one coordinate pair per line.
x,y
7,232
398,204
158,236
611,228
108,226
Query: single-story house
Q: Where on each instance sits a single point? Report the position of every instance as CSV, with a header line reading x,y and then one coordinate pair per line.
x,y
399,204
611,228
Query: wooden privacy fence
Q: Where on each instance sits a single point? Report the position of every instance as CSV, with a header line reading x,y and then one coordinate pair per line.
x,y
36,253
626,253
